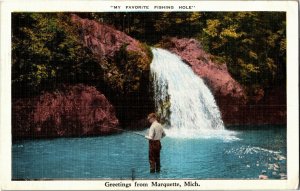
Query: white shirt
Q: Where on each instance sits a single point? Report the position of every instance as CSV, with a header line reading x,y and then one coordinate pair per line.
x,y
156,131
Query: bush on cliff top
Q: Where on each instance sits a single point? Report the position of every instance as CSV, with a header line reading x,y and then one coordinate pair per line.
x,y
131,68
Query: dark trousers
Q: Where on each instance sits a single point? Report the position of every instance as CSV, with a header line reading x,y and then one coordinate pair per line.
x,y
154,155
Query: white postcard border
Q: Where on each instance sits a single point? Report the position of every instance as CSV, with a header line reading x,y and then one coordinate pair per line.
x,y
290,7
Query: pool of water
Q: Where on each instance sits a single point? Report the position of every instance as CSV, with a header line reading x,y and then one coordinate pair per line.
x,y
125,156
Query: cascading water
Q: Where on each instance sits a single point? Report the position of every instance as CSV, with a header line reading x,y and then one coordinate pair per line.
x,y
184,102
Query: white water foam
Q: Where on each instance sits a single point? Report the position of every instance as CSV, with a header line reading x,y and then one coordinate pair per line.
x,y
183,98
270,160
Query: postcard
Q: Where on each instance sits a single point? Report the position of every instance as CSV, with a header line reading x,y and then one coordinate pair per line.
x,y
149,95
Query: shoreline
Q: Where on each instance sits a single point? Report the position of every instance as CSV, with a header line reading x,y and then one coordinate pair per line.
x,y
247,127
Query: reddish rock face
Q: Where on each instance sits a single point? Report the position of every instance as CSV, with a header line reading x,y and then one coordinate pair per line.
x,y
236,107
228,93
125,67
104,40
215,75
73,111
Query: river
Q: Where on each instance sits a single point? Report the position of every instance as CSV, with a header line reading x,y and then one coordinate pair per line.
x,y
125,156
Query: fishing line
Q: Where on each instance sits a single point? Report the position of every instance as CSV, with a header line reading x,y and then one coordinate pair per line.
x,y
128,131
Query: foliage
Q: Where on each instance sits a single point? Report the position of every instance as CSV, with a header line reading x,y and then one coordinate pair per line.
x,y
45,52
251,43
150,28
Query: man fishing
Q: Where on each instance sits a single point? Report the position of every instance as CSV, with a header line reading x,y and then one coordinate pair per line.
x,y
156,133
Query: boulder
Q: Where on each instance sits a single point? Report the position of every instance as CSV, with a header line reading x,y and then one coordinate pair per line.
x,y
76,110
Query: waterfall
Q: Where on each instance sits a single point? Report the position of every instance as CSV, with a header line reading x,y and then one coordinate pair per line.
x,y
185,104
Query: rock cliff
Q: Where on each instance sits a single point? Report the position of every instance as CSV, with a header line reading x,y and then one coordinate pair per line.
x,y
70,111
235,105
125,64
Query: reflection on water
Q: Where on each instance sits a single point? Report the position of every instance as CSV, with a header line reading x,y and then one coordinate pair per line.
x,y
244,156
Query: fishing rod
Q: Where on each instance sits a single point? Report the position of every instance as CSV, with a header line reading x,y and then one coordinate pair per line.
x,y
128,131
124,130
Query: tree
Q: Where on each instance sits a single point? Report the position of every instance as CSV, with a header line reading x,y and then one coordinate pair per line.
x,y
253,44
46,52
46,49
